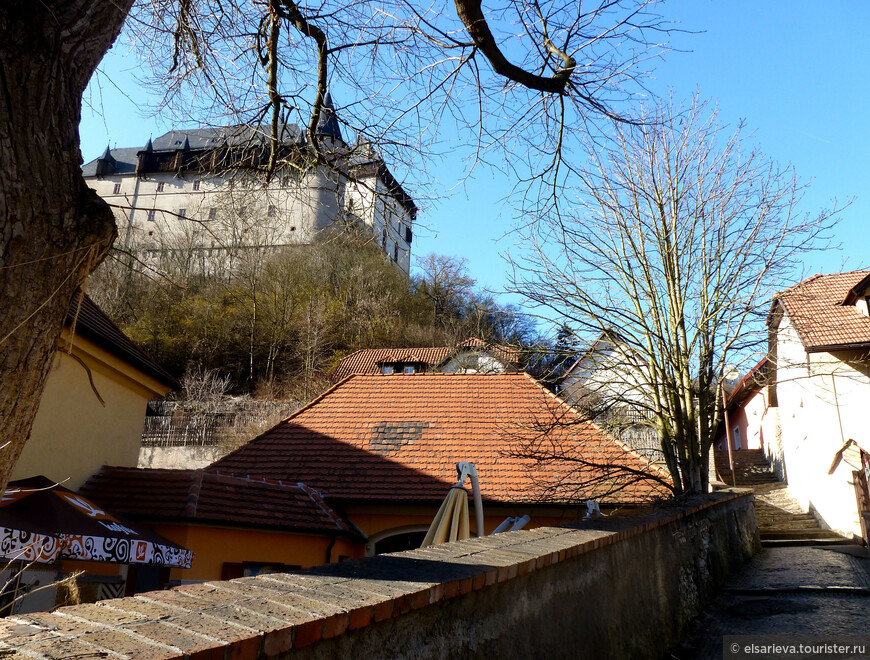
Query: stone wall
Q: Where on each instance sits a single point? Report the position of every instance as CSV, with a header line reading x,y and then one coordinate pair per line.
x,y
601,589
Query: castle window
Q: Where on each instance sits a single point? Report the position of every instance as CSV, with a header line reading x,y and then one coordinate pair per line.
x,y
212,213
395,251
151,215
384,238
117,189
182,213
271,211
160,186
196,185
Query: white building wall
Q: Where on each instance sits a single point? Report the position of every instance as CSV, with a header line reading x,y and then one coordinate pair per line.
x,y
289,210
822,399
473,362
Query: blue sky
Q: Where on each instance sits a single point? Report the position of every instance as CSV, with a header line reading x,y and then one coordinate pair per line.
x,y
797,72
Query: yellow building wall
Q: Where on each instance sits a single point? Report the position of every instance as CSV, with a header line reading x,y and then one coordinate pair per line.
x,y
73,433
214,546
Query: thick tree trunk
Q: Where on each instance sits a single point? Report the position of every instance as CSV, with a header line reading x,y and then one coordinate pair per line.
x,y
53,229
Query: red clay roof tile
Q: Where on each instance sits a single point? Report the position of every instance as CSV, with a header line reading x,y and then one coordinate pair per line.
x,y
369,360
388,439
817,308
177,495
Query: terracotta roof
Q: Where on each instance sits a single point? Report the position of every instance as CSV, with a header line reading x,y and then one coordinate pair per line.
x,y
818,309
507,353
398,439
752,382
197,495
92,322
368,360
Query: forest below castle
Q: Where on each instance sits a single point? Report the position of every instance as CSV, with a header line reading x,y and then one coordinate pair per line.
x,y
275,322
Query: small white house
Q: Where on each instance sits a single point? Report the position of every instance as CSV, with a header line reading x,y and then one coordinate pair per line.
x,y
819,334
611,380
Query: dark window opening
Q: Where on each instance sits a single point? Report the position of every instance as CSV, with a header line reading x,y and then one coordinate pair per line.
x,y
160,186
117,189
271,211
388,369
196,185
151,214
182,213
395,252
400,542
212,213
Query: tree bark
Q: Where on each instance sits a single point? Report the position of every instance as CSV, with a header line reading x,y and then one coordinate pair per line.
x,y
54,230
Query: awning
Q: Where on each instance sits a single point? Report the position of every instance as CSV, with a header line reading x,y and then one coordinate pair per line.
x,y
451,521
41,521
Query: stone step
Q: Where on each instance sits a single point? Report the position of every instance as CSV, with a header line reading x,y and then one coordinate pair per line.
x,y
786,543
785,534
794,525
796,518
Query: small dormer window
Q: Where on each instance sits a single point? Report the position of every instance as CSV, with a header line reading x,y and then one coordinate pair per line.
x,y
408,369
388,369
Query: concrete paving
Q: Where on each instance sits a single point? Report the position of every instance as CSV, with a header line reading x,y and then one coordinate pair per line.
x,y
787,591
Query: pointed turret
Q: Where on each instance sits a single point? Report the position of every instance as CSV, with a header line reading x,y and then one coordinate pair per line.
x,y
186,145
327,126
106,164
143,162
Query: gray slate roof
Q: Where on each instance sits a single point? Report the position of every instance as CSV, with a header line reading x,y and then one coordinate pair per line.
x,y
198,139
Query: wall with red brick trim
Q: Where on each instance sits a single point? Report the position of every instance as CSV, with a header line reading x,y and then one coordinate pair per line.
x,y
606,588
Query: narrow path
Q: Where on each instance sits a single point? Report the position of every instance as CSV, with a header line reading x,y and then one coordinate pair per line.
x,y
817,590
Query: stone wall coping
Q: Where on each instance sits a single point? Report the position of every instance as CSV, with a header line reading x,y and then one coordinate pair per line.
x,y
270,615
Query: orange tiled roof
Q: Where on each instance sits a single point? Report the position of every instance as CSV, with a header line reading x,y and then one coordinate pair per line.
x,y
817,308
398,439
506,353
366,360
197,495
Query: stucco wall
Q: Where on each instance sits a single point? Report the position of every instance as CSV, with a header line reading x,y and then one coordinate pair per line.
x,y
302,207
605,589
73,433
822,401
179,458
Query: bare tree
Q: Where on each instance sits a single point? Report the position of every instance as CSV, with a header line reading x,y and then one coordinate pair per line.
x,y
678,240
409,67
